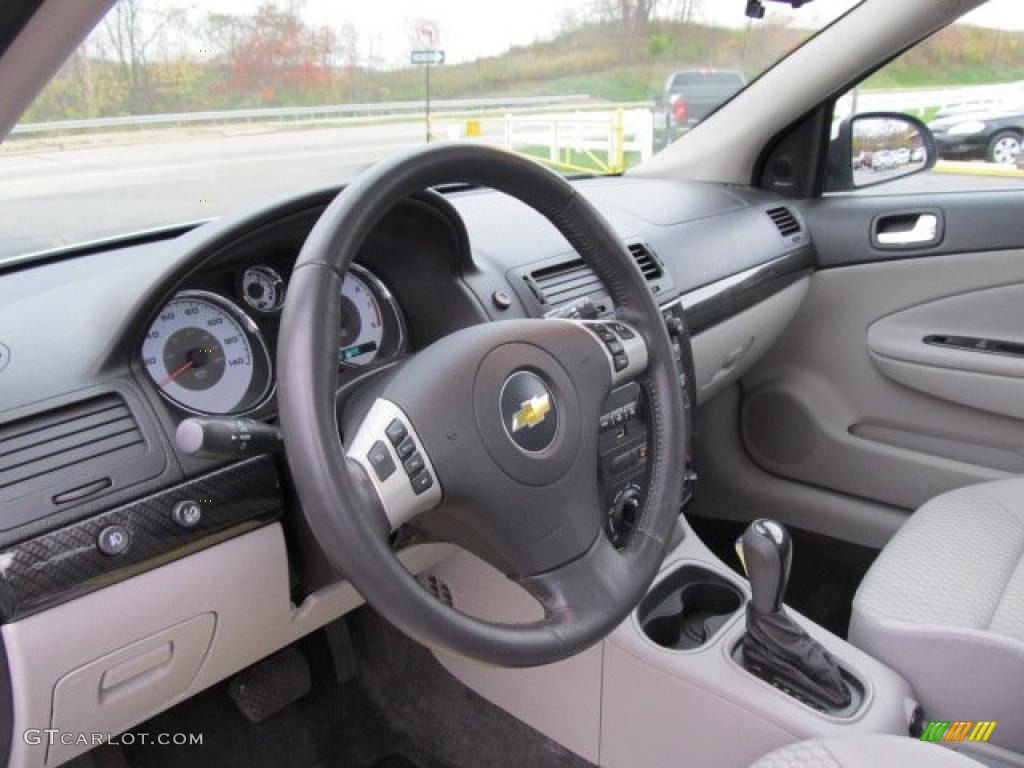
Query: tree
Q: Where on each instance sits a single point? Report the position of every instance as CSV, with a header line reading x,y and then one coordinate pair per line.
x,y
131,31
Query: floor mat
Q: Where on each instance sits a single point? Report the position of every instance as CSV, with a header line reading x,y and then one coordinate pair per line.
x,y
447,721
826,572
335,726
404,710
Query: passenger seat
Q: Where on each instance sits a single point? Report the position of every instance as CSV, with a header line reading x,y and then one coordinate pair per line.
x,y
944,606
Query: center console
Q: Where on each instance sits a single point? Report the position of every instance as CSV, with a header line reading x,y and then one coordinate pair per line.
x,y
669,686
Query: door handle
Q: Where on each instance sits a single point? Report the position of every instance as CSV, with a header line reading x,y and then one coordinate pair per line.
x,y
907,230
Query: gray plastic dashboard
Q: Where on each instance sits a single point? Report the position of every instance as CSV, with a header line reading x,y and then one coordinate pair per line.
x,y
71,324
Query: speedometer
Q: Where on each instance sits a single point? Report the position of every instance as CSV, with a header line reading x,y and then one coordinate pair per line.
x,y
204,354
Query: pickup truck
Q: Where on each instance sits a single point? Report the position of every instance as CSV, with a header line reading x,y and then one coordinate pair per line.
x,y
690,95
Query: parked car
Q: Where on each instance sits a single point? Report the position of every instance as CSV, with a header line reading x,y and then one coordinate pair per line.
x,y
883,160
993,135
690,95
901,156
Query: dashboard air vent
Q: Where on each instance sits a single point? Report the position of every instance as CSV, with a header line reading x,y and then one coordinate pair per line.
x,y
784,220
646,261
562,283
63,440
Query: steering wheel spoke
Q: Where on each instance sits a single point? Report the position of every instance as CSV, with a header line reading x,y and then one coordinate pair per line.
x,y
624,347
388,447
578,589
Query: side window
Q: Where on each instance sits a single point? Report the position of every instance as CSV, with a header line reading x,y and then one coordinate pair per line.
x,y
966,83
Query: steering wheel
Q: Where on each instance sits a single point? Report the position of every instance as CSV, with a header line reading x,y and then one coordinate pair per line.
x,y
492,428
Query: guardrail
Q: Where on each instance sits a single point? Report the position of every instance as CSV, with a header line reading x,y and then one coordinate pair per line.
x,y
308,114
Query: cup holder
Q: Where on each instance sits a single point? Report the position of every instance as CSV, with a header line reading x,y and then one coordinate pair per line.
x,y
687,608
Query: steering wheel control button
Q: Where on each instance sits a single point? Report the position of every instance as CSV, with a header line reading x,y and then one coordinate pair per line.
x,y
422,482
380,459
187,514
385,442
413,464
528,412
627,352
623,331
406,448
396,432
113,540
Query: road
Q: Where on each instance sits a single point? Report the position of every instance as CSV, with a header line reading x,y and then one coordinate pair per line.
x,y
53,195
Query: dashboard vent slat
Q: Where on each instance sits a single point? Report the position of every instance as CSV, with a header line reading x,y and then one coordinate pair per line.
x,y
66,439
566,282
784,220
572,280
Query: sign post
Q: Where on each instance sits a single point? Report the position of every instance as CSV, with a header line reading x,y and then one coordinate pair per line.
x,y
427,59
426,53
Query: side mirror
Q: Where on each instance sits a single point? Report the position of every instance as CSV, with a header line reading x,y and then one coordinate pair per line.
x,y
876,147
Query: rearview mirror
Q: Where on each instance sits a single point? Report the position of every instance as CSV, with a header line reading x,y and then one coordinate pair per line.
x,y
876,147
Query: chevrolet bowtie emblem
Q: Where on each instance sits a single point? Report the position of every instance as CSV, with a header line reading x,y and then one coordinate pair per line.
x,y
531,412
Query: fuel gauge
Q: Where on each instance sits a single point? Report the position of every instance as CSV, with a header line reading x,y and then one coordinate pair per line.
x,y
262,289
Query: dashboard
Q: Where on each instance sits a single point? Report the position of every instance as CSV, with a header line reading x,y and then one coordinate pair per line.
x,y
107,349
185,324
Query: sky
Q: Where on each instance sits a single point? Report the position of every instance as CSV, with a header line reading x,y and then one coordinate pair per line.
x,y
470,29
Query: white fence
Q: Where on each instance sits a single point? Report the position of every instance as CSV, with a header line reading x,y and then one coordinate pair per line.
x,y
603,138
921,101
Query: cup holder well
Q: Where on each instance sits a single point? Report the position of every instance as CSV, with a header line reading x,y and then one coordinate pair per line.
x,y
686,609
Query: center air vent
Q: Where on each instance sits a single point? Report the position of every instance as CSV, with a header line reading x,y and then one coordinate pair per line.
x,y
64,442
784,220
566,282
569,281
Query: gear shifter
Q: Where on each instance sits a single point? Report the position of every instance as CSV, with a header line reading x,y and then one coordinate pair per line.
x,y
775,648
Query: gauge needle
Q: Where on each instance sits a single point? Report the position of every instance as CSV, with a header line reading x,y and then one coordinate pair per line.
x,y
174,374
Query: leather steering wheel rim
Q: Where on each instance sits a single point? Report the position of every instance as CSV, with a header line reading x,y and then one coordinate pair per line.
x,y
585,597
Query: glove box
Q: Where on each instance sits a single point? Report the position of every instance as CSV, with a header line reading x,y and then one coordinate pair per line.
x,y
109,694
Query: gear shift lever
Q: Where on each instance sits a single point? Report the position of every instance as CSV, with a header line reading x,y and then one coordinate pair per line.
x,y
775,648
767,555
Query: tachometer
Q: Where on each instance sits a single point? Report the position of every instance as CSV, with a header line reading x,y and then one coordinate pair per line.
x,y
371,325
206,355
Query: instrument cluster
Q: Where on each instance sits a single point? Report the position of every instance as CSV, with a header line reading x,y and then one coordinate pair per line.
x,y
211,352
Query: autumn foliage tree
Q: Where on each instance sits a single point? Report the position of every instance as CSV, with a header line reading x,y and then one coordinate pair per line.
x,y
276,57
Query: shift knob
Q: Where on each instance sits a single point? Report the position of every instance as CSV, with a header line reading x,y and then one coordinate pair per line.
x,y
767,555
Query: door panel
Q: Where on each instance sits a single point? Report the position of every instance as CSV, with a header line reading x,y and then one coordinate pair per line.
x,y
853,400
844,227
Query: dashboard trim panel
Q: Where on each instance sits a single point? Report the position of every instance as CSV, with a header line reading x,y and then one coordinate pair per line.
x,y
714,303
66,563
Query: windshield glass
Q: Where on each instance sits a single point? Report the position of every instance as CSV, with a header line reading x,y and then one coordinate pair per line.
x,y
175,111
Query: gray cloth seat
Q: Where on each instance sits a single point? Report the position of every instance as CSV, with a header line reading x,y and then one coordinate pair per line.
x,y
865,751
944,606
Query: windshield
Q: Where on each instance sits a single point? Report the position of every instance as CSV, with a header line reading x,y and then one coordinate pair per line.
x,y
175,111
